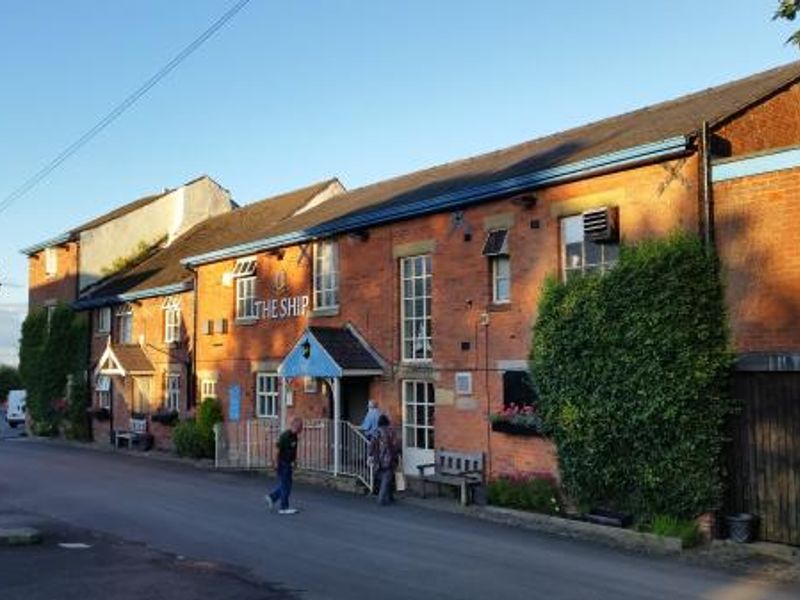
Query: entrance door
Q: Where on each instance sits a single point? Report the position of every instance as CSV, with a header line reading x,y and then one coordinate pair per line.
x,y
355,395
418,419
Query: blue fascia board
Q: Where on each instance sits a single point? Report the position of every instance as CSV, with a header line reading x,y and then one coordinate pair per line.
x,y
165,290
460,198
318,364
756,165
56,241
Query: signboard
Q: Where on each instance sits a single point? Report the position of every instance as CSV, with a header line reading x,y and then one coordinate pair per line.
x,y
234,403
282,308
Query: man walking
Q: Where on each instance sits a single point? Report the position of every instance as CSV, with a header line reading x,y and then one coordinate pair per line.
x,y
384,452
287,454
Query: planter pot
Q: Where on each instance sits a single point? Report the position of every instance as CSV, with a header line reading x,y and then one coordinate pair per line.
x,y
515,428
741,527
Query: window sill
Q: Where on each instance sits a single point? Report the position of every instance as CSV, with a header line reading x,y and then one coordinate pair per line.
x,y
99,334
499,306
326,311
246,321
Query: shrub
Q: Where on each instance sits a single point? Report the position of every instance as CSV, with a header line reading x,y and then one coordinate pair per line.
x,y
188,440
670,526
631,369
536,494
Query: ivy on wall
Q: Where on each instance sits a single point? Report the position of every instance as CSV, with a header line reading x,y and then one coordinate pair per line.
x,y
632,370
53,362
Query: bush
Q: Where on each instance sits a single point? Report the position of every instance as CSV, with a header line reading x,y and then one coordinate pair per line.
x,y
631,369
195,438
535,494
188,440
669,526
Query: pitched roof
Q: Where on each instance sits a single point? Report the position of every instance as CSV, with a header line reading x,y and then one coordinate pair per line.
x,y
252,221
132,358
346,349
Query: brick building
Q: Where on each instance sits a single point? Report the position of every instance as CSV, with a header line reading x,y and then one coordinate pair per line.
x,y
420,291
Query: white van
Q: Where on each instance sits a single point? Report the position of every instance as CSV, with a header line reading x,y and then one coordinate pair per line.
x,y
15,413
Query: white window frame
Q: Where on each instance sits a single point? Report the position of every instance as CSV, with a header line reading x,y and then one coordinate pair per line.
x,y
498,278
102,390
572,233
123,321
172,320
412,402
103,320
51,262
326,274
267,395
172,391
310,385
246,298
463,383
416,272
208,389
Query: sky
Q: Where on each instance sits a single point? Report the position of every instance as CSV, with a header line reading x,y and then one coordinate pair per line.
x,y
290,93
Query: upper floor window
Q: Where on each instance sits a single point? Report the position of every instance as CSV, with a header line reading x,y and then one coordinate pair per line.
x,y
103,320
326,275
172,319
496,248
50,262
172,391
415,308
267,395
208,389
123,331
581,256
245,274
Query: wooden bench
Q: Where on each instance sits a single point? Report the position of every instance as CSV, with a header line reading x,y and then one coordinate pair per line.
x,y
463,470
134,435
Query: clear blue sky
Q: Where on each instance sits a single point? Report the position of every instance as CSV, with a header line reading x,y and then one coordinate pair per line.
x,y
293,92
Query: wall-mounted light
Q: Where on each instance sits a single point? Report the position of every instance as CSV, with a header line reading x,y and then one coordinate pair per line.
x,y
305,347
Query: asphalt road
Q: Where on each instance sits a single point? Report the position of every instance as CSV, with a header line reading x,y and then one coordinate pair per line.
x,y
339,546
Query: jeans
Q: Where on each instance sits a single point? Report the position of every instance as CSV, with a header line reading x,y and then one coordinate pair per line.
x,y
284,487
386,482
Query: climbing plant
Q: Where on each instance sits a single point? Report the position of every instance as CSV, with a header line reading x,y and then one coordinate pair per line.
x,y
631,369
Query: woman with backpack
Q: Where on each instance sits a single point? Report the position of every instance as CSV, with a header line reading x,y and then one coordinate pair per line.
x,y
384,450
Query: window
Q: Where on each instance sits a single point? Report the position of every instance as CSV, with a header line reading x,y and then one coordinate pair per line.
x,y
103,320
418,412
310,385
124,324
245,267
496,248
141,394
102,391
266,395
518,388
172,319
580,256
50,262
464,383
172,391
326,275
246,298
208,389
415,286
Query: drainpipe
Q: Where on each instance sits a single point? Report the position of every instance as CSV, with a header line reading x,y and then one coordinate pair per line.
x,y
191,384
707,217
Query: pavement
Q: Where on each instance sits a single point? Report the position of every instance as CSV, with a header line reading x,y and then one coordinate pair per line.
x,y
338,546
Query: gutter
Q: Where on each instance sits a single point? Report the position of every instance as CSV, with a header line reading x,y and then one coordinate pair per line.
x,y
56,241
384,214
165,290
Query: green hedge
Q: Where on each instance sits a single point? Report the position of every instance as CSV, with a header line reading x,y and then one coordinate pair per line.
x,y
195,438
631,369
536,494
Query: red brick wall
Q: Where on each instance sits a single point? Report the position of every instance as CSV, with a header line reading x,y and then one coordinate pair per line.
x,y
756,233
60,287
774,123
652,199
148,328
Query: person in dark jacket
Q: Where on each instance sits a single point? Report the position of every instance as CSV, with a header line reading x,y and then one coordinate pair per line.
x,y
287,454
384,451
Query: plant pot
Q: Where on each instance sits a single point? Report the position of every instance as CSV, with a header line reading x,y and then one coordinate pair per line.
x,y
515,428
741,527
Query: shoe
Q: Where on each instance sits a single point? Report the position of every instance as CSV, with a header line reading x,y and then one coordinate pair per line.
x,y
287,511
270,502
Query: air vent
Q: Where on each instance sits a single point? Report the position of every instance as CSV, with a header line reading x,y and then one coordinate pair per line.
x,y
600,225
464,383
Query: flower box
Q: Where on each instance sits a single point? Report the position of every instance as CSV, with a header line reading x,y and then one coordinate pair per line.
x,y
512,428
165,417
101,414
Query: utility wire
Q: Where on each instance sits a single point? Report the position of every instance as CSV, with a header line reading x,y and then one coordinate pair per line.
x,y
120,108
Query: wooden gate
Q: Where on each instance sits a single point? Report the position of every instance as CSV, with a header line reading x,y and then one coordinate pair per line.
x,y
765,457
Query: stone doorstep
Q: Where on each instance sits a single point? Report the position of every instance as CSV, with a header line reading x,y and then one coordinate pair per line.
x,y
20,536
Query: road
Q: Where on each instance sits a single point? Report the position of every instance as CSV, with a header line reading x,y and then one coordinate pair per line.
x,y
339,546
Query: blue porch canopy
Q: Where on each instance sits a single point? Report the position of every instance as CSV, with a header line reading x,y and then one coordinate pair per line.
x,y
327,352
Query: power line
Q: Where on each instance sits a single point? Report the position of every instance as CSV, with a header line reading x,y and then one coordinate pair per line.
x,y
31,182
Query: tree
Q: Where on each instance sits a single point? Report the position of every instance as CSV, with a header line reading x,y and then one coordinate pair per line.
x,y
9,380
787,9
